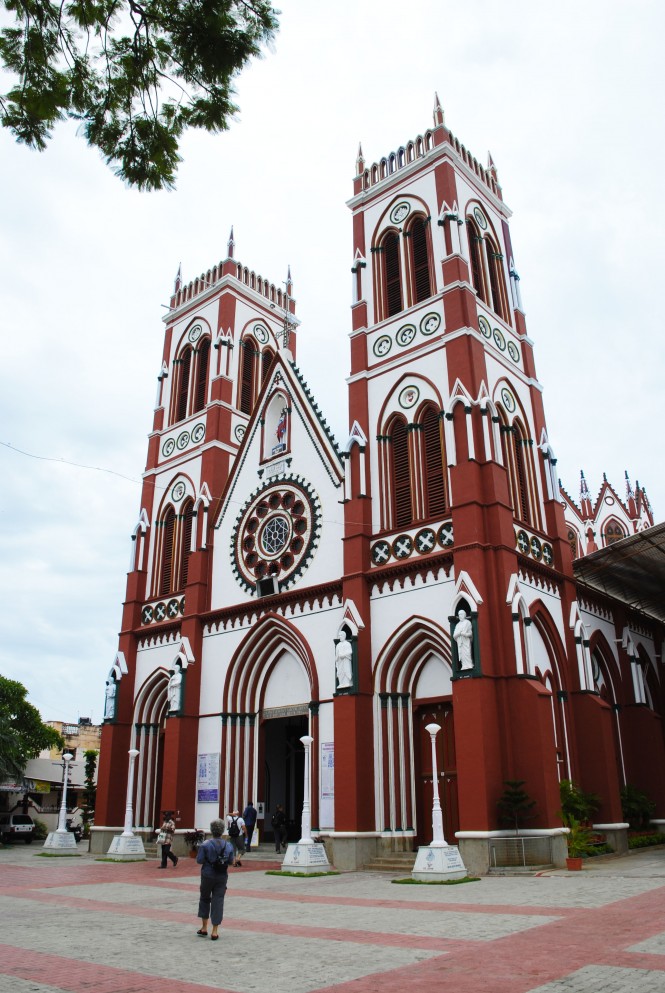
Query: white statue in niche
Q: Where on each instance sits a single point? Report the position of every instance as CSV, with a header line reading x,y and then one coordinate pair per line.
x,y
343,663
463,635
175,689
109,706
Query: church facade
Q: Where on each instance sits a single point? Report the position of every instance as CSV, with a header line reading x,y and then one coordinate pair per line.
x,y
420,571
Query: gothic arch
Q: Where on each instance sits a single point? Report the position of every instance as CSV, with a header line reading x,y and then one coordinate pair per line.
x,y
150,708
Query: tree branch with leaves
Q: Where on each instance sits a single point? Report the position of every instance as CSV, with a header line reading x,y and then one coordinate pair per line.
x,y
22,733
136,75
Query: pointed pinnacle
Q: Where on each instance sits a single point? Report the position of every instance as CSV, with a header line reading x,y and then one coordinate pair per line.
x,y
231,244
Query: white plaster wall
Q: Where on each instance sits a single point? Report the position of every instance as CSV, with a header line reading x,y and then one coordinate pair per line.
x,y
429,598
151,658
435,680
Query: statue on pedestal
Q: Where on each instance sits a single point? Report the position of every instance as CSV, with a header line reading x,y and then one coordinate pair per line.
x,y
344,662
463,635
175,689
109,706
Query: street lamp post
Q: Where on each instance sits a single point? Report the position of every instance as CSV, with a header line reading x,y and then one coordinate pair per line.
x,y
129,808
62,819
438,840
306,826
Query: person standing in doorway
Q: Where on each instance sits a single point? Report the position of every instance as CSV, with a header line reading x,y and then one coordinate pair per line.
x,y
249,817
235,828
165,839
279,827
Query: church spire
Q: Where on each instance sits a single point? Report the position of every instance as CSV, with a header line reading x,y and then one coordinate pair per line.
x,y
360,160
231,245
439,119
178,279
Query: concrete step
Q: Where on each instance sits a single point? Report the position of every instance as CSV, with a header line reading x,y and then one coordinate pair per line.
x,y
395,862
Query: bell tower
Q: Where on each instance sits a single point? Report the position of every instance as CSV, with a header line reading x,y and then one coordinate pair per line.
x,y
222,333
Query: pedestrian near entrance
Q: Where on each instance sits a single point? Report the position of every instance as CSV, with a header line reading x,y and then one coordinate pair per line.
x,y
279,827
214,856
236,830
249,817
165,839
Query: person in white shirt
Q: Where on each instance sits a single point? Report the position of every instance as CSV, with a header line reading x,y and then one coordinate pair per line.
x,y
237,832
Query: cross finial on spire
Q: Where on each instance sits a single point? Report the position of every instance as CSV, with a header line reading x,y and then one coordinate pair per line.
x,y
232,244
439,119
584,489
629,489
178,279
360,160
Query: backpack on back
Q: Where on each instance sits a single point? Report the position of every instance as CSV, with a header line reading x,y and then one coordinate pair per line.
x,y
234,830
221,863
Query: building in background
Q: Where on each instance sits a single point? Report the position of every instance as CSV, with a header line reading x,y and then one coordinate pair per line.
x,y
420,571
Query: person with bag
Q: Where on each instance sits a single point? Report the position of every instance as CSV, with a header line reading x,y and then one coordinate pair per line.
x,y
165,839
214,856
236,830
249,817
278,822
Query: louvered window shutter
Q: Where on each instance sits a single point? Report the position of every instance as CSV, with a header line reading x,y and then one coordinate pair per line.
x,y
247,378
202,376
434,475
401,475
185,542
475,261
493,263
183,384
420,261
522,485
392,275
166,574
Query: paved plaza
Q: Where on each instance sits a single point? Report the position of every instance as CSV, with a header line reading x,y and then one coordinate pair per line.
x,y
79,925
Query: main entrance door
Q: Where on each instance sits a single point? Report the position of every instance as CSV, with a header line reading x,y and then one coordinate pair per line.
x,y
441,714
284,770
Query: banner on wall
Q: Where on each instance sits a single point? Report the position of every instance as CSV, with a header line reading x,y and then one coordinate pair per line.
x,y
207,784
327,808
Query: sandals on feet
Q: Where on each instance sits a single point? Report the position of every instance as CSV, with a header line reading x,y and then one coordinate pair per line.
x,y
203,934
214,937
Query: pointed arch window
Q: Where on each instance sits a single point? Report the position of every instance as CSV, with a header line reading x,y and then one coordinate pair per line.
x,y
521,492
572,541
267,355
182,388
400,473
420,260
496,279
186,519
433,464
476,259
248,353
168,522
392,275
202,366
613,532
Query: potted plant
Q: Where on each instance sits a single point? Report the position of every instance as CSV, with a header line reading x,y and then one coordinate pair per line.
x,y
193,839
579,842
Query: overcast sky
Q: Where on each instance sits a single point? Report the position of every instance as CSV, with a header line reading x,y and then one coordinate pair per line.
x,y
569,99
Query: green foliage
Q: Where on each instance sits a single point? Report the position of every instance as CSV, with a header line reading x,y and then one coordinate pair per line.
x,y
576,803
136,74
22,733
40,832
90,792
580,838
636,807
646,840
515,805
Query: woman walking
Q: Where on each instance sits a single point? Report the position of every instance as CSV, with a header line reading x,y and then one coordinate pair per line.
x,y
214,856
165,839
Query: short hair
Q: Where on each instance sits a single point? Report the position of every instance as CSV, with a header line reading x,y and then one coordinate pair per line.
x,y
217,828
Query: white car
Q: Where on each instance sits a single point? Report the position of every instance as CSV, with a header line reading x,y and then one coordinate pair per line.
x,y
16,827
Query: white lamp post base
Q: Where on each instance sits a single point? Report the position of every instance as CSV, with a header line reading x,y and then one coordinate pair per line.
x,y
307,857
124,847
60,842
435,863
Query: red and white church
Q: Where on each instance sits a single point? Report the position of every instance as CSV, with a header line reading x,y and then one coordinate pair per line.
x,y
428,567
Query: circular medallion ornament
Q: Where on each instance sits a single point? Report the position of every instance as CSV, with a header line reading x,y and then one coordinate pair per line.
x,y
168,448
382,345
499,339
425,541
445,535
398,213
536,548
405,335
147,615
481,220
195,332
485,329
381,552
402,546
548,554
198,433
182,440
430,323
239,432
513,351
172,609
522,542
409,397
276,534
261,333
507,399
178,491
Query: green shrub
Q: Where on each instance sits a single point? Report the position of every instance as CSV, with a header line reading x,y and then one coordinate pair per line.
x,y
40,832
636,807
646,840
576,803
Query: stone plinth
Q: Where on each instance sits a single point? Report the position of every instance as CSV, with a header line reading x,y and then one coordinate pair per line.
x,y
435,864
60,842
126,848
308,856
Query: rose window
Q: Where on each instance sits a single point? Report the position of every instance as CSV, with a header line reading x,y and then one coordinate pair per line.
x,y
276,534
